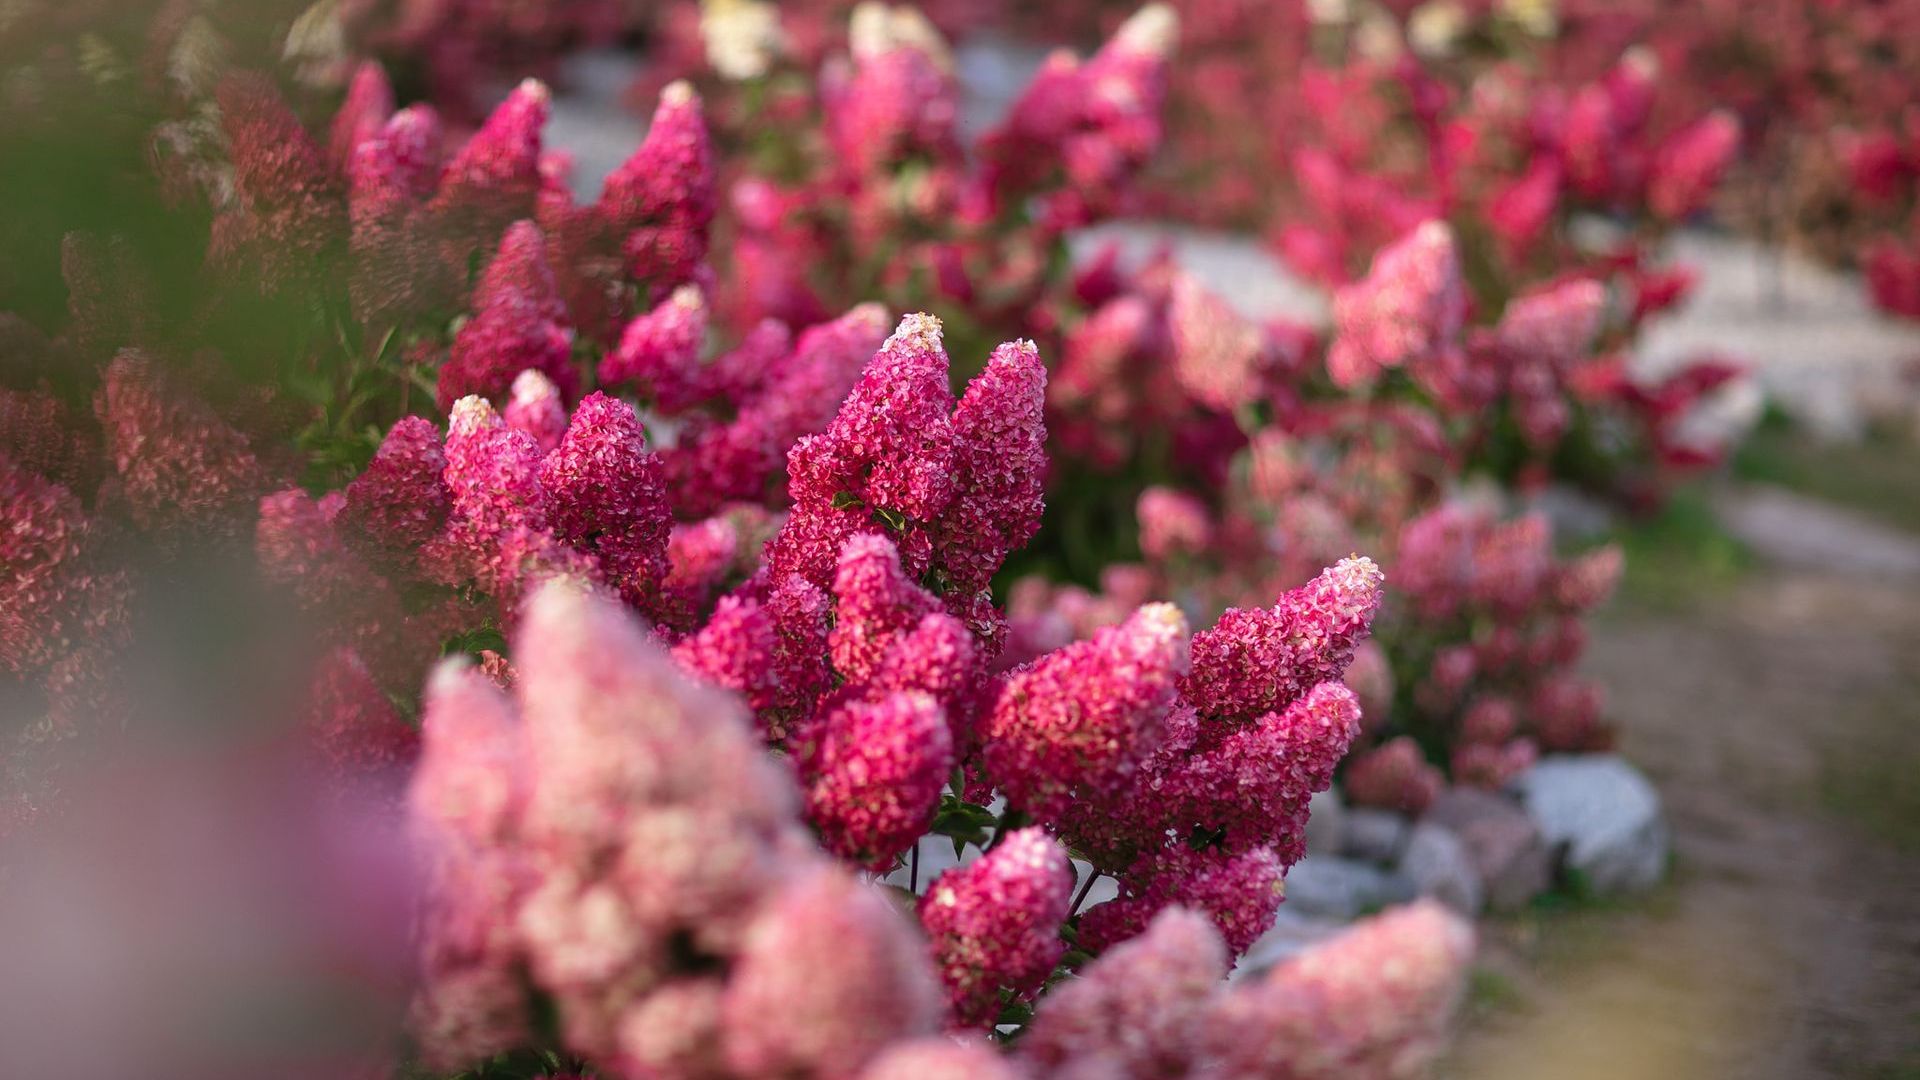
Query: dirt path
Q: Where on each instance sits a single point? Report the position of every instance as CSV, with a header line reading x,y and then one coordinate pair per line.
x,y
1781,720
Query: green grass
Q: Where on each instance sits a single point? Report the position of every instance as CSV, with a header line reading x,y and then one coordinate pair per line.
x,y
1878,476
1681,555
1493,992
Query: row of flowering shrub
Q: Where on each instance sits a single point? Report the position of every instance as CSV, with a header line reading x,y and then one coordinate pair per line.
x,y
1817,98
682,576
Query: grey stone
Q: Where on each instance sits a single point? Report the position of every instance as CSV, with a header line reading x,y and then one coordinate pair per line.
x,y
1502,842
1326,824
1375,835
1603,816
1438,865
1292,934
1330,887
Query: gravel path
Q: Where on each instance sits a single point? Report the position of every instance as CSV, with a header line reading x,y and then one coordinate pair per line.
x,y
1780,722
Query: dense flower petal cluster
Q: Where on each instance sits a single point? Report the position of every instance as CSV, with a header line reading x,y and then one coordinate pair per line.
x,y
1135,1012
1374,1002
519,324
1078,721
1407,312
959,488
995,923
180,466
285,216
1097,122
879,770
615,838
716,460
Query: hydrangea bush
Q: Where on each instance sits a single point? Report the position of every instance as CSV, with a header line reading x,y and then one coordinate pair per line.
x,y
682,565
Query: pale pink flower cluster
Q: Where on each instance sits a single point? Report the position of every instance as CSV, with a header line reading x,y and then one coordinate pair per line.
x,y
614,839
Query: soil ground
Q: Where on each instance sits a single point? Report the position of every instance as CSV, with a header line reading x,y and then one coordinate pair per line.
x,y
1779,713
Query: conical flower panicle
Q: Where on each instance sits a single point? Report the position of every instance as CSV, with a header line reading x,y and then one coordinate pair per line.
x,y
1134,1012
536,408
876,777
995,924
494,179
608,498
659,353
368,105
1082,718
1407,312
1688,166
286,220
660,203
1375,1002
181,468
401,266
400,502
518,324
899,102
47,576
826,979
463,811
1254,662
999,434
957,489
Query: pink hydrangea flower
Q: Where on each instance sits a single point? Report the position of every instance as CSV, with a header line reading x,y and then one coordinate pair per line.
x,y
1134,1012
994,924
1408,311
1392,776
900,101
874,602
519,324
286,217
400,268
1081,719
179,465
1492,766
659,352
607,497
1000,458
463,806
875,780
734,650
44,436
1239,892
1374,1003
1554,326
368,105
828,976
660,202
492,475
1252,662
1219,357
537,409
713,462
351,723
400,502
940,1059
889,448
495,177
1689,164
45,537
1172,523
